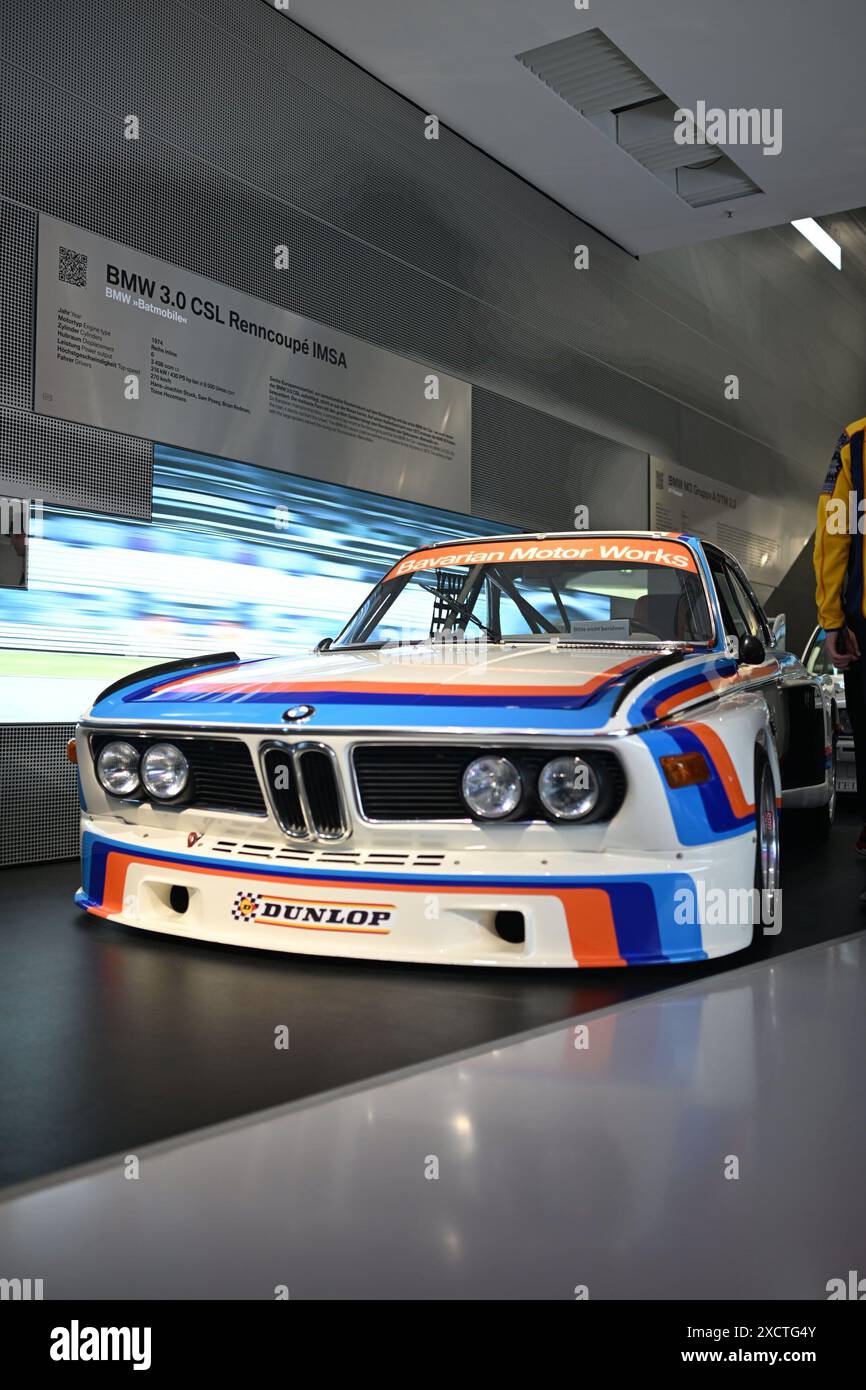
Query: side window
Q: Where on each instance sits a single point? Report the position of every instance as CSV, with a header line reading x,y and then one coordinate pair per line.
x,y
735,623
758,626
744,603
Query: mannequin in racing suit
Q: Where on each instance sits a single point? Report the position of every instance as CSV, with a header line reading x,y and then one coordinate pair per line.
x,y
839,556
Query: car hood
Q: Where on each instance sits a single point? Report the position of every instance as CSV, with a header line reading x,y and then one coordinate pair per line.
x,y
514,687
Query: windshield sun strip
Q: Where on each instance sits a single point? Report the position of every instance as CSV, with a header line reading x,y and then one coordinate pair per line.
x,y
467,597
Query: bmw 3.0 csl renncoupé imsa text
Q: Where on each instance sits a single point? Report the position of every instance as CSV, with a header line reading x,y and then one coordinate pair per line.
x,y
531,750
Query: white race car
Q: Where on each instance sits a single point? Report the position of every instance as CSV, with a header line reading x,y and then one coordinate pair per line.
x,y
538,750
817,662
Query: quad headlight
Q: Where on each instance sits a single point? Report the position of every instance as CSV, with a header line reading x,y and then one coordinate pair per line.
x,y
117,768
568,788
492,788
164,771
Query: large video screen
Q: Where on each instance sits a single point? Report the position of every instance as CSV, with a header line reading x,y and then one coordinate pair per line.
x,y
236,558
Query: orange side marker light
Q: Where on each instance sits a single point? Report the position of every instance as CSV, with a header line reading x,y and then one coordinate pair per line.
x,y
685,769
72,751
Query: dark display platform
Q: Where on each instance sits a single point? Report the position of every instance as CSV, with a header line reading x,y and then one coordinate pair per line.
x,y
111,1038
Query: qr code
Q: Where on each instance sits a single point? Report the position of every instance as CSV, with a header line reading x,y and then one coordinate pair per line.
x,y
72,267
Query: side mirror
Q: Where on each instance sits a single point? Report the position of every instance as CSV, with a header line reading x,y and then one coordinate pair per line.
x,y
778,625
325,643
751,650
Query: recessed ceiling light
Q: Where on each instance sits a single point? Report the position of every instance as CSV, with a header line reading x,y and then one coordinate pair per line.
x,y
821,240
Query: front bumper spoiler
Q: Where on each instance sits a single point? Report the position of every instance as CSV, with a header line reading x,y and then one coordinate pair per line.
x,y
589,909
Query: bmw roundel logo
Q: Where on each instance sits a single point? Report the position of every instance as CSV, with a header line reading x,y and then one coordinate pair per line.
x,y
295,713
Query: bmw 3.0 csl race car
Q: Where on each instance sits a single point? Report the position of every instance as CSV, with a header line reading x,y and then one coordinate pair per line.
x,y
539,750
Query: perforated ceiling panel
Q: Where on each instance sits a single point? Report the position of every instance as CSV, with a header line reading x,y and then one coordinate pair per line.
x,y
17,247
253,134
38,794
41,457
427,247
74,465
532,470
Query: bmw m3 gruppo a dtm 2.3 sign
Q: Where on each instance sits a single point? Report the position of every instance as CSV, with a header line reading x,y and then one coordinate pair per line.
x,y
557,750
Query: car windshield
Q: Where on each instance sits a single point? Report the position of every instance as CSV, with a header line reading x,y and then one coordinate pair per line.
x,y
626,591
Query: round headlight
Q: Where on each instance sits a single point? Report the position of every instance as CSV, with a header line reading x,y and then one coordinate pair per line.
x,y
117,768
492,787
164,771
568,788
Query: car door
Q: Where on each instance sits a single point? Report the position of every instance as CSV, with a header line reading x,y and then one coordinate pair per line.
x,y
743,616
758,626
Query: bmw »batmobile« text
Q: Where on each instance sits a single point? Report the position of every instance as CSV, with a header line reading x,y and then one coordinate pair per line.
x,y
122,284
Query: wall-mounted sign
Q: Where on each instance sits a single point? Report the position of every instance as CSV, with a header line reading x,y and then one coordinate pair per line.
x,y
134,344
756,532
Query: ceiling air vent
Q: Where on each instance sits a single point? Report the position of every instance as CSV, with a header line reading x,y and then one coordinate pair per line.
x,y
717,180
597,79
589,72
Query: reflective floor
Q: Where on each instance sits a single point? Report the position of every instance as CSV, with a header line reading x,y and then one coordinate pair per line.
x,y
113,1039
708,1141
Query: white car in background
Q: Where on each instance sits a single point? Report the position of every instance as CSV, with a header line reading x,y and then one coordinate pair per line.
x,y
817,662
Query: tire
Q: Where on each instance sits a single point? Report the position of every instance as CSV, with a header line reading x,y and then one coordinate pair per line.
x,y
767,858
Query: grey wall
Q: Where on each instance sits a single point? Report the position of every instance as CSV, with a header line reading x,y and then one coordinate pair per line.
x,y
254,133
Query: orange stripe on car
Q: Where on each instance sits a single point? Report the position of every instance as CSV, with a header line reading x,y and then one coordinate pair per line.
x,y
588,912
713,685
703,686
591,928
756,672
721,759
387,687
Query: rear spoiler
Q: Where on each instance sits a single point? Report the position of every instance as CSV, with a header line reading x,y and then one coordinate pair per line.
x,y
165,668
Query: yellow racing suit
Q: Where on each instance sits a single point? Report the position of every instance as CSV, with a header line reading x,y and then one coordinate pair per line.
x,y
839,542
